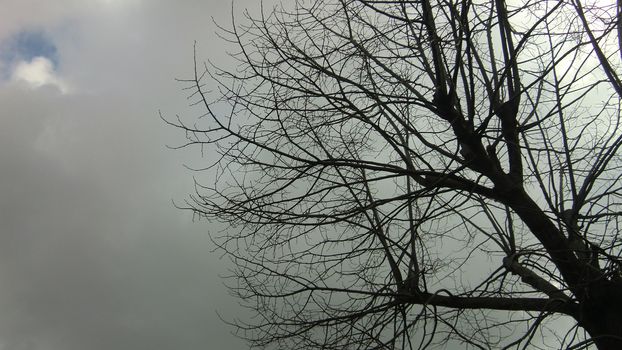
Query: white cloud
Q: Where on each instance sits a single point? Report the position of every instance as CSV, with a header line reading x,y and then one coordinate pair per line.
x,y
38,72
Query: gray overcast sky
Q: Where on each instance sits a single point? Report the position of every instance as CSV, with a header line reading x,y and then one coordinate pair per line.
x,y
92,253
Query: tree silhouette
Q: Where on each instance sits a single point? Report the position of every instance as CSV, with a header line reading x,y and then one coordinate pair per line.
x,y
416,174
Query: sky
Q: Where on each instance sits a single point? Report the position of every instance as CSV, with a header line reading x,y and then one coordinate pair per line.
x,y
93,254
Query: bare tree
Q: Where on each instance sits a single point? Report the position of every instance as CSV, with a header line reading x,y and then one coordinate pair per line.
x,y
414,174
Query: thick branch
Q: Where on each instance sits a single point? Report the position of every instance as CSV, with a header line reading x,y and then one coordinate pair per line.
x,y
492,303
531,278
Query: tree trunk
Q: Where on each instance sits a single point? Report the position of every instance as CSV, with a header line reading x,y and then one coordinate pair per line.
x,y
601,315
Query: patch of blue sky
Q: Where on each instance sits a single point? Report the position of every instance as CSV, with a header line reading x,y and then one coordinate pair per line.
x,y
26,45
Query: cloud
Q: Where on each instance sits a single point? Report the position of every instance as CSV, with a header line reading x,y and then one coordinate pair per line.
x,y
28,44
38,72
92,253
31,57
